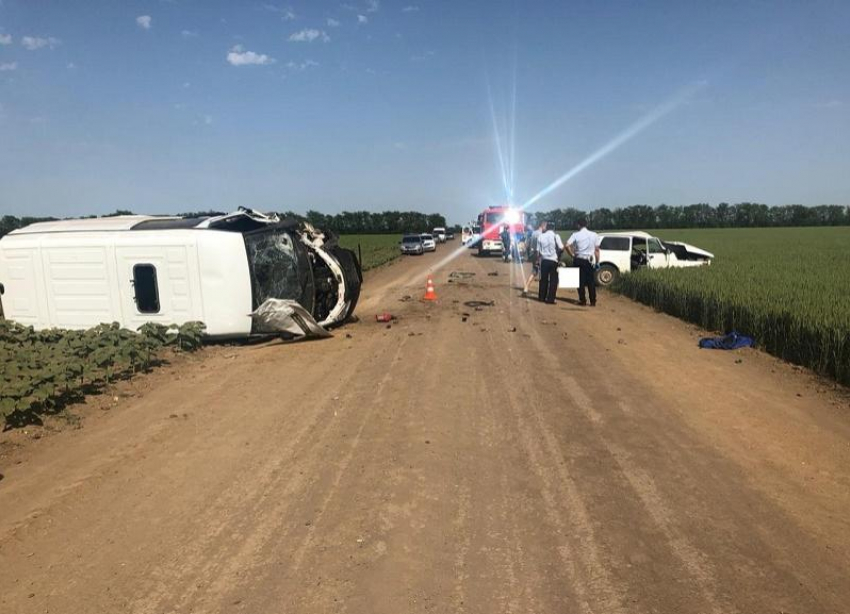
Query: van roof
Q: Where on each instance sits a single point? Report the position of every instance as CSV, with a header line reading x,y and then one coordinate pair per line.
x,y
95,224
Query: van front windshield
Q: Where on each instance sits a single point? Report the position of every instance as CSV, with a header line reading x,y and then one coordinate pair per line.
x,y
279,267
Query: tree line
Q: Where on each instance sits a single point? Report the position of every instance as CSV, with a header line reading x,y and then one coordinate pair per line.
x,y
702,215
347,222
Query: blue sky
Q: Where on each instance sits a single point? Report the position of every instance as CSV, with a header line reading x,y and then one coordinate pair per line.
x,y
166,106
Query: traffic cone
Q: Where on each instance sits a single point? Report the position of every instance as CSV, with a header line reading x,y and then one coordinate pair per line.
x,y
430,294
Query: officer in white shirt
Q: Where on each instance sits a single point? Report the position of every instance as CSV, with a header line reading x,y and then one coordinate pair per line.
x,y
549,246
583,246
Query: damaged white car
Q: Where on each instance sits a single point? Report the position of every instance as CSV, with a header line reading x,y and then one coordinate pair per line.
x,y
242,274
622,252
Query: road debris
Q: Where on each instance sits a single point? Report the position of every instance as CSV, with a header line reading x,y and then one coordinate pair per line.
x,y
460,275
480,303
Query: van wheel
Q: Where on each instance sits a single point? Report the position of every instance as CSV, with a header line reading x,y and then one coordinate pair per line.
x,y
606,275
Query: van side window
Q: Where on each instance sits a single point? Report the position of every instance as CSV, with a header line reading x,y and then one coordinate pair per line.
x,y
619,244
147,291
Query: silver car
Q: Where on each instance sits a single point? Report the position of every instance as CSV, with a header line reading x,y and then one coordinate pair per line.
x,y
412,244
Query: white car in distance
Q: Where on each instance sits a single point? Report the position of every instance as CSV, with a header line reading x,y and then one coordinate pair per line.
x,y
623,252
428,242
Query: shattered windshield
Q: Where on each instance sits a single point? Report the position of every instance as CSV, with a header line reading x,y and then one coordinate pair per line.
x,y
280,267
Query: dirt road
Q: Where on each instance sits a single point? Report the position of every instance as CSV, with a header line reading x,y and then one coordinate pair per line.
x,y
532,458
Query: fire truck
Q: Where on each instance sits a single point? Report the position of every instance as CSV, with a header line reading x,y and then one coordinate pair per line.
x,y
491,221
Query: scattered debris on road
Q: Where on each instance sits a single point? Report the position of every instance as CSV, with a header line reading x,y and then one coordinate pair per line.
x,y
460,275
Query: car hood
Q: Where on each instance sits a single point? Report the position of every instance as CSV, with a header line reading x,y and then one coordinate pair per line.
x,y
695,251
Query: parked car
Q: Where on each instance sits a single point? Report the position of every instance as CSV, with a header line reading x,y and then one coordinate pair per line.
x,y
622,252
428,242
412,244
439,234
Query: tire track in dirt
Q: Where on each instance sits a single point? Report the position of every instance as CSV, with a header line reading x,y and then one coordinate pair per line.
x,y
694,550
240,510
694,561
590,580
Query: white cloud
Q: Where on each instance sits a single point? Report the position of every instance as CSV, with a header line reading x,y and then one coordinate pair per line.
x,y
5,39
301,66
144,22
71,66
362,19
189,34
8,66
411,8
286,13
372,6
208,120
333,23
37,42
308,35
239,57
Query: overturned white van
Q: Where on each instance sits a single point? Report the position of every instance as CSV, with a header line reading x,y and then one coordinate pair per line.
x,y
172,270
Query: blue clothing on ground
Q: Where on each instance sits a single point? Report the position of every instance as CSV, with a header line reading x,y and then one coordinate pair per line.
x,y
732,341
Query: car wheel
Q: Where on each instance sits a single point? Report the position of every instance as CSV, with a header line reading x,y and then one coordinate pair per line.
x,y
606,275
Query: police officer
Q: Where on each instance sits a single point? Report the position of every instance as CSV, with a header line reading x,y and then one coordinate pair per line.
x,y
583,246
505,236
549,246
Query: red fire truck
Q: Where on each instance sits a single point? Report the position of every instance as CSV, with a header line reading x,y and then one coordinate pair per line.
x,y
491,221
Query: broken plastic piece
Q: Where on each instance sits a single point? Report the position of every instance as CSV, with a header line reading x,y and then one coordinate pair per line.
x,y
286,316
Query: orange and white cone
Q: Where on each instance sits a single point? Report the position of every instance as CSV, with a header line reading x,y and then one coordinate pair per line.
x,y
430,293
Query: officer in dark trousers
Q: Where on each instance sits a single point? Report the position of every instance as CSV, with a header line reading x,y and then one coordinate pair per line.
x,y
583,246
505,236
549,247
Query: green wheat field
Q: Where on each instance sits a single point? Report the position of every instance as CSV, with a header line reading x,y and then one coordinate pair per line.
x,y
787,287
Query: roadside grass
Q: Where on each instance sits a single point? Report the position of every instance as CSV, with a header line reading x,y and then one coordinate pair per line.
x,y
789,288
376,249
